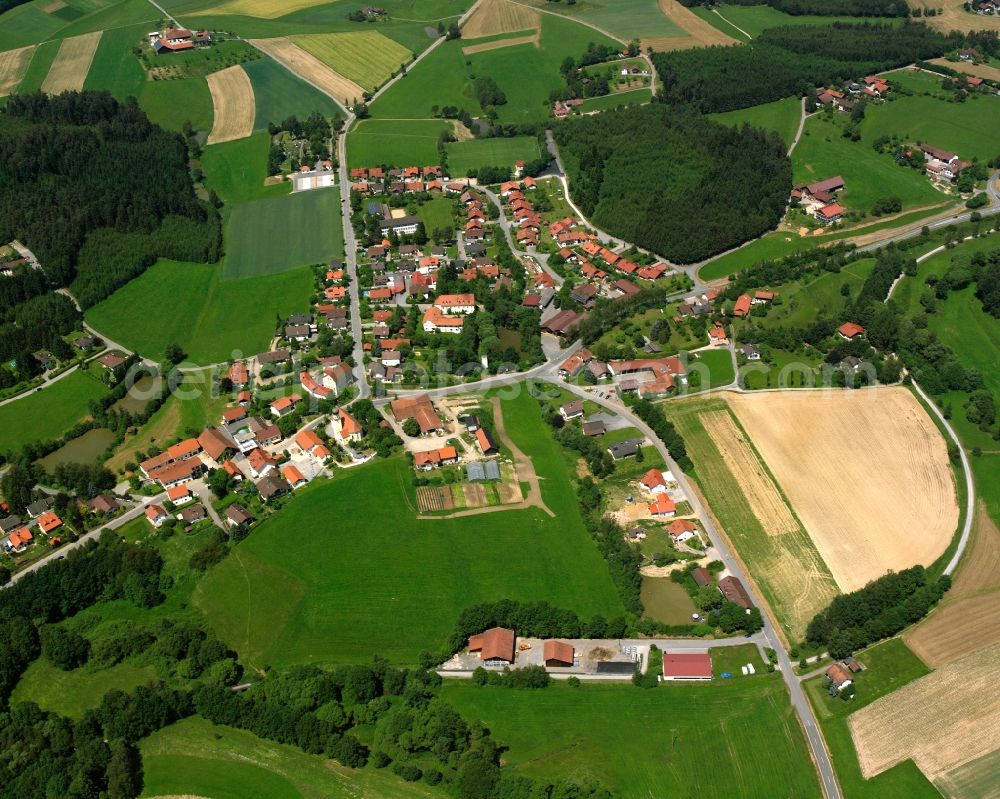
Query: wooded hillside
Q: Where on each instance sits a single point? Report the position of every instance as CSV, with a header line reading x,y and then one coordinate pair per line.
x,y
673,181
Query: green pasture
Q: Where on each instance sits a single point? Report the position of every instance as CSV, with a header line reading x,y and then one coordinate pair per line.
x,y
30,23
273,235
27,24
756,19
719,367
616,99
439,80
367,57
47,414
403,142
196,757
626,19
798,301
171,103
463,157
115,67
279,94
891,665
328,585
781,116
39,65
721,737
191,305
70,693
237,169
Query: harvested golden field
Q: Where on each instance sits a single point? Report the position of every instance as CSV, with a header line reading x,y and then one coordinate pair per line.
x,y
866,472
13,64
310,69
72,63
266,9
233,104
952,17
499,44
942,721
759,489
499,16
979,70
968,617
700,33
784,567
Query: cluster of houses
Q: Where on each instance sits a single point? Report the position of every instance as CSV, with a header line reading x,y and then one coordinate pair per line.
x,y
527,222
819,199
421,409
376,180
563,108
172,40
648,377
19,534
871,88
942,165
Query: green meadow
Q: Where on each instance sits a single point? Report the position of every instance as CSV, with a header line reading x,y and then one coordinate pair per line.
x,y
723,737
237,169
466,156
191,305
781,116
70,693
719,364
49,413
404,142
438,80
273,235
39,65
30,23
616,99
115,67
171,103
626,19
347,571
438,213
279,94
756,19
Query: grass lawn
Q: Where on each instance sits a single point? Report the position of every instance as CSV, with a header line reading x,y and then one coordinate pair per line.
x,y
616,99
890,666
437,213
49,413
70,693
171,103
968,128
780,564
236,169
781,116
115,67
666,601
823,152
465,156
367,57
191,305
196,757
39,65
396,142
273,235
717,366
279,94
722,736
329,585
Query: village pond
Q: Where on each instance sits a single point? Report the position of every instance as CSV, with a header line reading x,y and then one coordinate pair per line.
x,y
666,601
85,449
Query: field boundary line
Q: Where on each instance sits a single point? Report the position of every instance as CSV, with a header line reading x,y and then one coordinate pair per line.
x,y
731,23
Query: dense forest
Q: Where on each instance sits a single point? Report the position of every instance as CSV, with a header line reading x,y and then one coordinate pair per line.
x,y
674,182
97,191
822,8
791,60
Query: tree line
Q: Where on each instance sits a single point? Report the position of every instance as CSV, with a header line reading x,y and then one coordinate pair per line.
x,y
792,60
674,182
879,610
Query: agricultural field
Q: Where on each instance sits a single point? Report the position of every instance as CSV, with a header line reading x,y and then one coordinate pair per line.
x,y
49,413
442,78
38,67
233,105
236,169
306,603
696,32
966,619
171,103
754,20
979,70
823,152
196,757
781,116
466,156
397,142
894,505
748,504
944,721
13,65
115,67
191,305
279,94
952,16
273,235
493,17
367,58
69,70
27,24
43,20
266,9
616,99
283,50
591,732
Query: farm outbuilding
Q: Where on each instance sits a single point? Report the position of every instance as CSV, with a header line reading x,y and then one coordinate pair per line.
x,y
495,646
685,666
557,653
